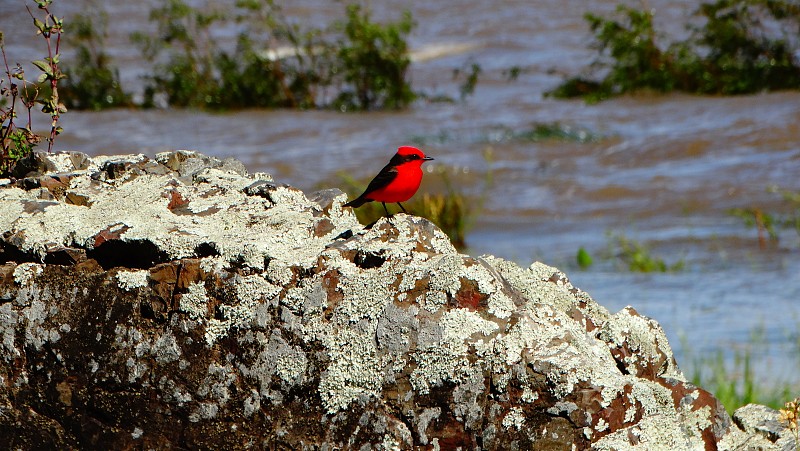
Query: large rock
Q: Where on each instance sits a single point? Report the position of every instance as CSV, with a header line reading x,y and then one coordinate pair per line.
x,y
181,303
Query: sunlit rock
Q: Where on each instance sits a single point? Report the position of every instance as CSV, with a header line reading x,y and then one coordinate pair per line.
x,y
182,303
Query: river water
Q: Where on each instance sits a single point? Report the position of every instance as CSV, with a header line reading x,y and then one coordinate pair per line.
x,y
661,170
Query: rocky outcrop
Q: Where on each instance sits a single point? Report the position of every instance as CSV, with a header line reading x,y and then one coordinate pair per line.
x,y
182,303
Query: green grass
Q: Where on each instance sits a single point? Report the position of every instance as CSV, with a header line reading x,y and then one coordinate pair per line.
x,y
735,383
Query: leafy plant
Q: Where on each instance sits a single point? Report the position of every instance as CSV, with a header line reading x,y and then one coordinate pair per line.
x,y
637,257
187,79
91,83
735,51
768,223
51,27
374,62
20,95
763,222
470,73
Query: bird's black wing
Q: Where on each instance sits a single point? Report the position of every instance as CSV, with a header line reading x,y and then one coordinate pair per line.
x,y
385,177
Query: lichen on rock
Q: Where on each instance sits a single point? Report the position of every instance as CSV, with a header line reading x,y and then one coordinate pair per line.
x,y
181,302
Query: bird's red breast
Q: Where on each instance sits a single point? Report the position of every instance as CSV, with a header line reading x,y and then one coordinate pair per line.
x,y
404,184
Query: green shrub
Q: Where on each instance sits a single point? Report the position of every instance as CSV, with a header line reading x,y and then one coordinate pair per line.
x,y
374,60
367,63
188,78
733,52
91,83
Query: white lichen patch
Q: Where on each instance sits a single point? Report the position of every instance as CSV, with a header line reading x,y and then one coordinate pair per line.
x,y
137,433
34,315
195,301
424,420
440,363
8,325
131,280
365,293
24,273
651,432
291,365
461,324
166,349
515,419
217,383
251,229
355,370
529,395
700,418
216,329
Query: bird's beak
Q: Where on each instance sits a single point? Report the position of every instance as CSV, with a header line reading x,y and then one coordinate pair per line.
x,y
427,159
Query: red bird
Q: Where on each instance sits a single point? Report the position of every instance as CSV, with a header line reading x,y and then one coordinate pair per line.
x,y
397,181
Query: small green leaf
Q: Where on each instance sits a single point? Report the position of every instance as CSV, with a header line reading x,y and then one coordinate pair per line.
x,y
39,25
42,65
584,259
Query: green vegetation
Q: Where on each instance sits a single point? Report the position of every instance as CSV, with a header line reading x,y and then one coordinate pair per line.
x,y
542,131
763,222
374,60
735,51
91,83
470,73
19,96
583,258
735,383
637,257
767,223
364,63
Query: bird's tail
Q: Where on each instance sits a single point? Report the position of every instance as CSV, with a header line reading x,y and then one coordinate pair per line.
x,y
357,202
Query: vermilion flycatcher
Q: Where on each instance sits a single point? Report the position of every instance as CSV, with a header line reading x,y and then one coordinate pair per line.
x,y
397,181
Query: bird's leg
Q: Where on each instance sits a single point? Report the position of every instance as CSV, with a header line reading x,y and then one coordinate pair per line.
x,y
401,207
385,209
